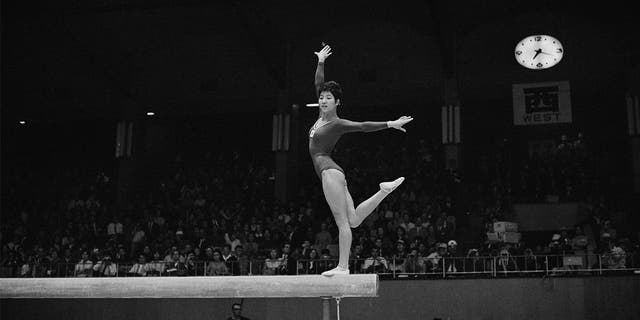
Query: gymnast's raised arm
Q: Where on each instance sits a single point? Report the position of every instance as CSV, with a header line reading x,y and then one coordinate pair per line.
x,y
322,55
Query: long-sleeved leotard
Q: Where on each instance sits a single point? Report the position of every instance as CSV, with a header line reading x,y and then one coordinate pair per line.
x,y
324,138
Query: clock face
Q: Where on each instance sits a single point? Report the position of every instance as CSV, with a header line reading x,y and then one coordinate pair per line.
x,y
539,52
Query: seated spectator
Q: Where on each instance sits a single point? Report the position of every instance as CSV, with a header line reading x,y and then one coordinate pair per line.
x,y
530,261
190,264
423,251
137,238
10,264
230,259
273,264
121,256
68,264
84,268
401,234
251,245
615,258
434,259
414,263
609,230
242,262
115,228
310,266
291,263
323,237
105,267
306,249
326,261
356,259
399,255
25,268
175,266
268,241
375,263
197,253
157,266
556,250
453,263
418,231
217,266
474,262
232,240
179,239
505,262
406,224
140,268
286,254
169,257
382,249
579,242
208,255
53,265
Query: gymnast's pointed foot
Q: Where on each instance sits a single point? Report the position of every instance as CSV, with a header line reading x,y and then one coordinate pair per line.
x,y
391,185
337,270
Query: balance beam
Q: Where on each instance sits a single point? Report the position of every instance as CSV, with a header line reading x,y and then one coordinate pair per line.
x,y
306,286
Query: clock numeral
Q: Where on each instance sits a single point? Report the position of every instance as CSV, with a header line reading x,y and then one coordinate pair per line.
x,y
559,50
518,52
538,38
539,65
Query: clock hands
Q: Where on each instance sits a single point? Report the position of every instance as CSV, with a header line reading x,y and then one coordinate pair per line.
x,y
537,53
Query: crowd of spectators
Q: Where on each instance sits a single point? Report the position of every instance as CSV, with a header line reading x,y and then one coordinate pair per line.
x,y
215,215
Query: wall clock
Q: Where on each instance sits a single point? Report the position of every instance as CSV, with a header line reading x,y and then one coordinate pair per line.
x,y
539,52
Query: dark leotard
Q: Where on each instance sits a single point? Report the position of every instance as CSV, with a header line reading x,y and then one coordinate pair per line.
x,y
325,137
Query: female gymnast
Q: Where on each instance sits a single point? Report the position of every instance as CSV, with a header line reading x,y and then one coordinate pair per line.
x,y
323,136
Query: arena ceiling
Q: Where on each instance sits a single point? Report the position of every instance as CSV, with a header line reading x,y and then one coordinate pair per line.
x,y
99,79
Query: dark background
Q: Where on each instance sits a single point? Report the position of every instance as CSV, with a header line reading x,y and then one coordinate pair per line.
x,y
215,72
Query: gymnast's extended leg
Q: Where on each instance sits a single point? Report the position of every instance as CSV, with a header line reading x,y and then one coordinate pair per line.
x,y
358,214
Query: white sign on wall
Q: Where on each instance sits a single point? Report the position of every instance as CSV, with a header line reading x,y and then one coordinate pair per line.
x,y
541,103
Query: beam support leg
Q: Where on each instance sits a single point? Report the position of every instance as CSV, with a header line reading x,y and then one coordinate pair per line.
x,y
326,312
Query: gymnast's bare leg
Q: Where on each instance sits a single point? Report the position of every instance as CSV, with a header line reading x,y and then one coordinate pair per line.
x,y
346,216
364,209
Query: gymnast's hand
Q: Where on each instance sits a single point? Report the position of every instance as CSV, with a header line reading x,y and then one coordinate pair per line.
x,y
397,124
324,53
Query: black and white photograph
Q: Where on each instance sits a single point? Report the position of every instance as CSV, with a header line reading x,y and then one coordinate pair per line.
x,y
321,160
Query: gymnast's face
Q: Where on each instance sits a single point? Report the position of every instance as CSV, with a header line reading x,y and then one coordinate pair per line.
x,y
327,102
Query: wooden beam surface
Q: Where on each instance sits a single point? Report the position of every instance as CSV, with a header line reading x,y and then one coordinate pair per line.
x,y
305,286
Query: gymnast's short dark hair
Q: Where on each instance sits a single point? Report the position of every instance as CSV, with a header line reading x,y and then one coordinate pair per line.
x,y
333,87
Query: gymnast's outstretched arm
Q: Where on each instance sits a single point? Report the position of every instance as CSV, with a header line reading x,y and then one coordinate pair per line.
x,y
369,126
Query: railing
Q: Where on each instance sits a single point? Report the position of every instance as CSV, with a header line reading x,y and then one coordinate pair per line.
x,y
409,267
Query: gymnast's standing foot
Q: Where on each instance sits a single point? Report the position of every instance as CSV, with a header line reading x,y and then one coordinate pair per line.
x,y
337,270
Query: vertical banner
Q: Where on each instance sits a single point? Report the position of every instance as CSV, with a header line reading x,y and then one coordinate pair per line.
x,y
633,121
541,103
124,139
635,165
285,140
633,115
280,132
119,139
274,132
129,140
451,124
